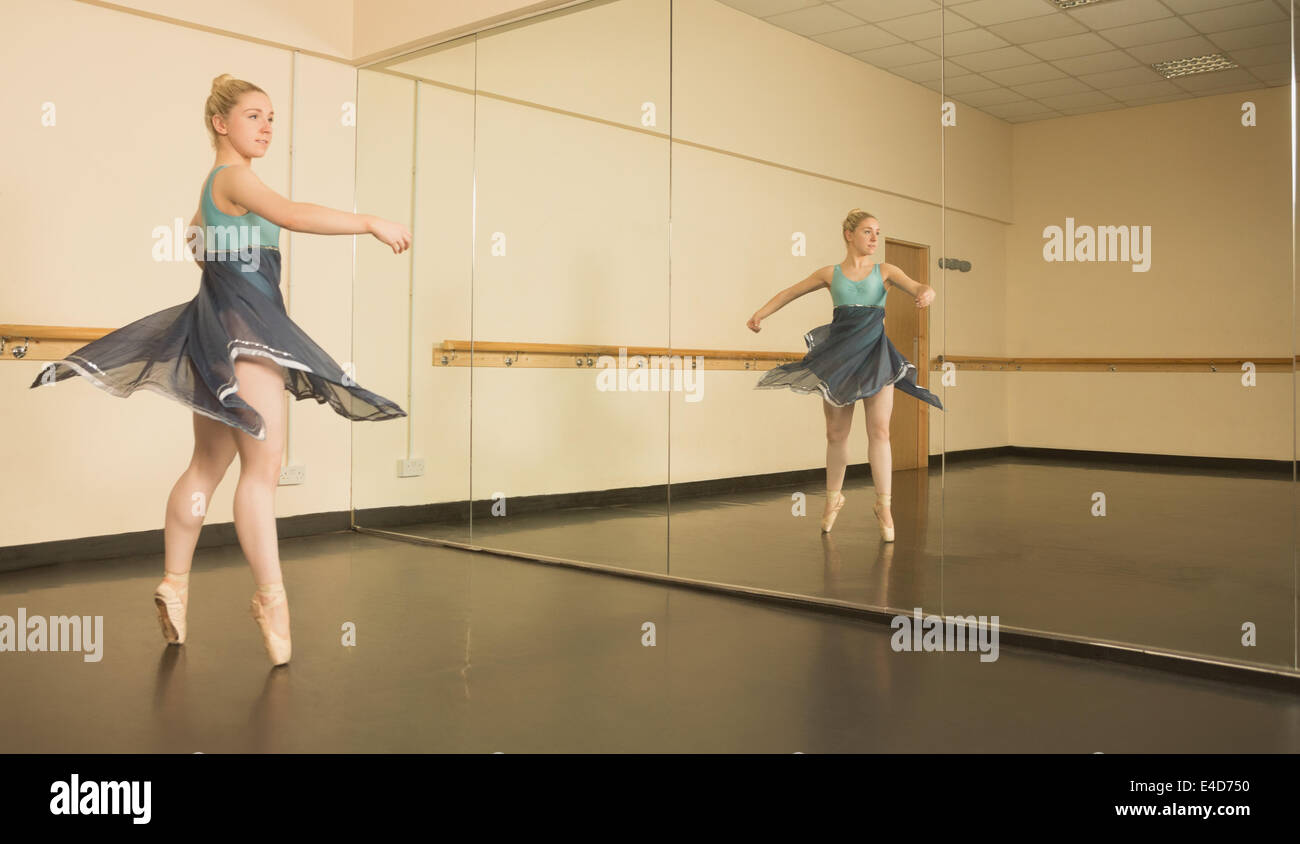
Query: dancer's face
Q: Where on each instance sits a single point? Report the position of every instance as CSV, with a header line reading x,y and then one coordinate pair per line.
x,y
248,125
866,236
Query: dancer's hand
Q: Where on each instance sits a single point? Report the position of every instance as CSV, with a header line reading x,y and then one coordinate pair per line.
x,y
753,322
925,297
392,234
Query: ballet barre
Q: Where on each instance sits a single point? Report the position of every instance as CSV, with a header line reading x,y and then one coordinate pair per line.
x,y
55,342
583,356
1169,364
45,342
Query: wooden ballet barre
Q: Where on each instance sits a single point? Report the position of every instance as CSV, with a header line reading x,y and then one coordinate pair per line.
x,y
581,356
45,342
575,355
1169,364
54,342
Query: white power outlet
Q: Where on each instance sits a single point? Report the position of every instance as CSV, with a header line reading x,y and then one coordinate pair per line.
x,y
290,475
410,468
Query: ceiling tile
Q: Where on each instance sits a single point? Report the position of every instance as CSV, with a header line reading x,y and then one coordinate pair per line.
x,y
994,59
1252,36
857,38
1167,29
898,54
883,10
916,27
1038,29
767,8
985,12
1096,62
967,83
1053,88
814,20
1025,74
1166,50
1140,75
1107,15
1070,45
1236,17
971,41
993,96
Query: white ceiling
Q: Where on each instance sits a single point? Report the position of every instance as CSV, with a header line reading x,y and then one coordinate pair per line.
x,y
1023,60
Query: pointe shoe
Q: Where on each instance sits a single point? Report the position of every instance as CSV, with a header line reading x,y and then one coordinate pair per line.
x,y
886,532
170,599
828,518
278,647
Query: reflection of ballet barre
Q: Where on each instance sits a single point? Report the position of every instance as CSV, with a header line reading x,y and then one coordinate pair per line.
x,y
1003,364
53,342
579,356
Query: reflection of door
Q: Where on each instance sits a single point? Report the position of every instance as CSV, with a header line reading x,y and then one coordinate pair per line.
x,y
906,326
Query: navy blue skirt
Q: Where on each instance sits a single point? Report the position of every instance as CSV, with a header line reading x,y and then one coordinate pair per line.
x,y
187,352
848,359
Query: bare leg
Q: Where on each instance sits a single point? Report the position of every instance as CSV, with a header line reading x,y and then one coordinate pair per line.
x,y
261,384
214,450
839,421
879,409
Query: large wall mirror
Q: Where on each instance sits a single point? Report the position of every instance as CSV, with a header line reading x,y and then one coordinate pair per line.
x,y
1118,231
643,293
534,159
782,127
415,164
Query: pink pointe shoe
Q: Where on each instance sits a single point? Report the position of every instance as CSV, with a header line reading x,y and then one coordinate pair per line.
x,y
834,501
883,500
170,600
278,647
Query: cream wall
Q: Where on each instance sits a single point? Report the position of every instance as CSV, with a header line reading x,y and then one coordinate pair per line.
x,y
1218,198
129,152
321,26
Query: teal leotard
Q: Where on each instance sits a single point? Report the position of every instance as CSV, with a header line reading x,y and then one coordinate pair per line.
x,y
241,236
871,291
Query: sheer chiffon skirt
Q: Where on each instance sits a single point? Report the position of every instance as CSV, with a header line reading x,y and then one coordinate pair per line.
x,y
187,352
848,359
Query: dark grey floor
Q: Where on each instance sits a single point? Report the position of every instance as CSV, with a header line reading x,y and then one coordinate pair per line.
x,y
1180,561
465,652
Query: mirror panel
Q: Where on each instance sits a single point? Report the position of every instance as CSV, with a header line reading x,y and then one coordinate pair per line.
x,y
782,131
415,166
570,293
1119,438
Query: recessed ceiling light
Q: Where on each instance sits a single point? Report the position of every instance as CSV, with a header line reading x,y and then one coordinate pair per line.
x,y
1193,64
1070,4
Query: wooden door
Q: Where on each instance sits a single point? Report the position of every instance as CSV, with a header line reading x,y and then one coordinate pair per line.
x,y
906,326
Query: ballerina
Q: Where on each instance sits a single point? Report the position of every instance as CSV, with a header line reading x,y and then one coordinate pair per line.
x,y
229,353
851,358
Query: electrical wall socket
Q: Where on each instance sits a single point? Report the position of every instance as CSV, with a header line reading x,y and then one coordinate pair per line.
x,y
290,475
410,468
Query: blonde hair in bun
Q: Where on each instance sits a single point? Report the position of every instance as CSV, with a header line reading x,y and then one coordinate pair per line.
x,y
856,216
226,91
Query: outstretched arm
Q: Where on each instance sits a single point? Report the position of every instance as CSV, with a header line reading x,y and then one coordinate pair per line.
x,y
813,282
923,293
246,189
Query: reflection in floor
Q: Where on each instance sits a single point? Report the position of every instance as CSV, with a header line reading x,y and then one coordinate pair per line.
x,y
1180,560
464,652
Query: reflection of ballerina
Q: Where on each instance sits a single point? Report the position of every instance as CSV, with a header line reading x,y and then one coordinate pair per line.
x,y
851,358
228,354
